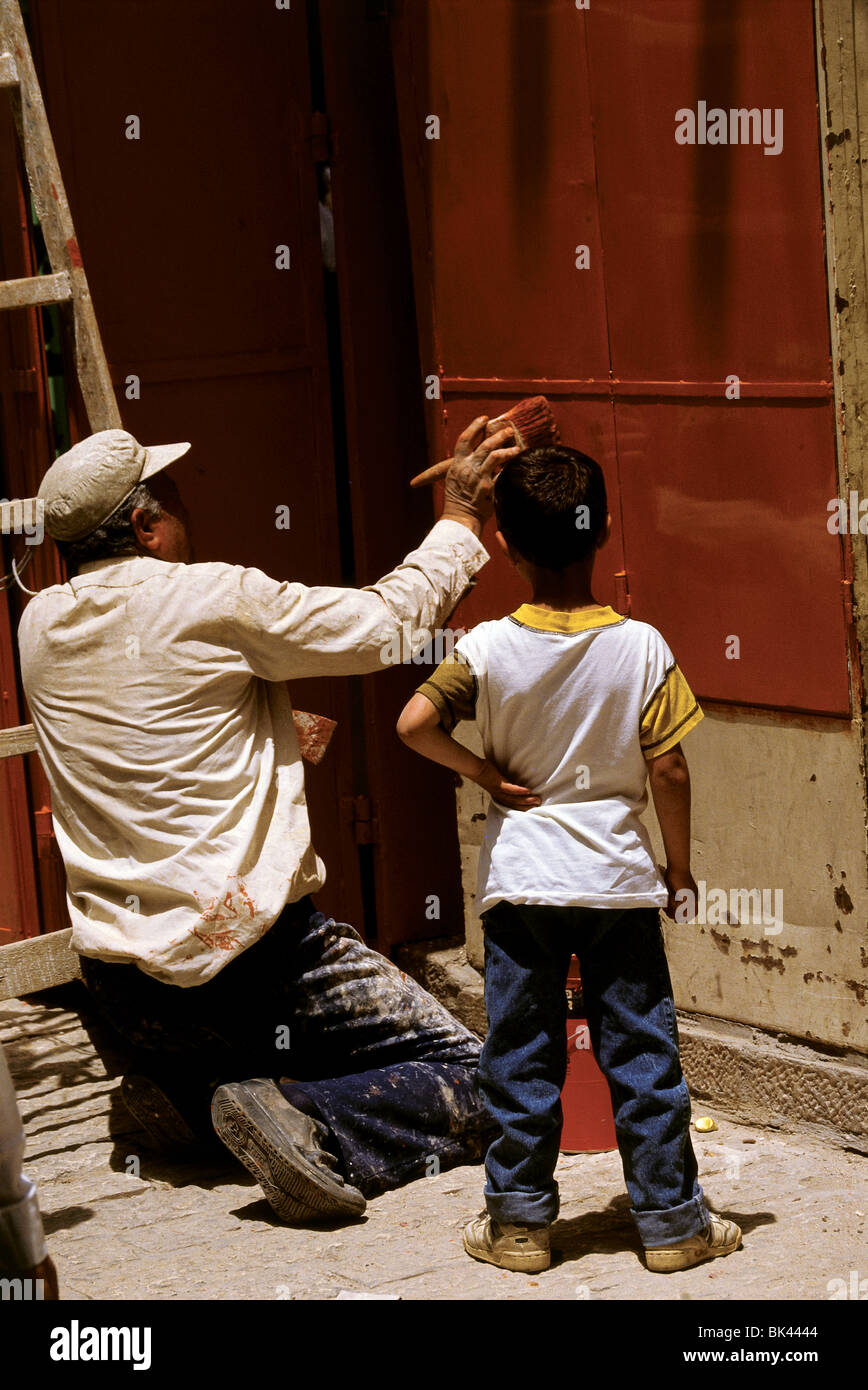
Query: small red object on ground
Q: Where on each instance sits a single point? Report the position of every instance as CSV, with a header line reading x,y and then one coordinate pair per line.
x,y
589,1125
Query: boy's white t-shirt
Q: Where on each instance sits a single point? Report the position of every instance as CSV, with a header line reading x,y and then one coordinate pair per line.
x,y
568,704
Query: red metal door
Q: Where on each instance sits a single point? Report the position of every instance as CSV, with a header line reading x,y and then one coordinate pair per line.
x,y
415,855
566,243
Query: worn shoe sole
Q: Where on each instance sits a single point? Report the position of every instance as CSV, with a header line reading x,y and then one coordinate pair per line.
x,y
534,1262
667,1261
296,1190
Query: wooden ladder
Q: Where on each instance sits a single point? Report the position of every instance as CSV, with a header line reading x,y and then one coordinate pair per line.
x,y
42,961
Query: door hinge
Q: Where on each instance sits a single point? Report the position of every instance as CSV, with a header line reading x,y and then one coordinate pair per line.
x,y
622,592
24,381
319,138
847,592
358,812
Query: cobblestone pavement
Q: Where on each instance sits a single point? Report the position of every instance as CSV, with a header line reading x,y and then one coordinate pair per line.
x,y
123,1223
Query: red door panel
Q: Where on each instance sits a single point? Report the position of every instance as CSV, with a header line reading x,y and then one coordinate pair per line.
x,y
714,254
511,189
732,548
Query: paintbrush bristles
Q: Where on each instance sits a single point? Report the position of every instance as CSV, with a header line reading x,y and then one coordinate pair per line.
x,y
532,421
532,424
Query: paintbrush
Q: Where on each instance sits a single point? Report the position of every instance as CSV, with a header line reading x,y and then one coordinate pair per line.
x,y
533,426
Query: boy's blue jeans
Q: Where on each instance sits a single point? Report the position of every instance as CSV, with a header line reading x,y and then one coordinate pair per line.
x,y
631,1020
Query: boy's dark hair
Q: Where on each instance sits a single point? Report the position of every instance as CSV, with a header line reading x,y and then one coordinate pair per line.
x,y
537,501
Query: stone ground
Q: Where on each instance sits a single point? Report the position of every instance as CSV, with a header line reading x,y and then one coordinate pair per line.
x,y
123,1223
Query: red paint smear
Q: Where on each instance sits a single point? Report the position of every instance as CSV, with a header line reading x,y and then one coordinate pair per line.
x,y
314,733
74,253
54,193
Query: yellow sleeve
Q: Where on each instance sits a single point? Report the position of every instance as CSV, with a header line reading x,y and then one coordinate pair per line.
x,y
669,714
452,690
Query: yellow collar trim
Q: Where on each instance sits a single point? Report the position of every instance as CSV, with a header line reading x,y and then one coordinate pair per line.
x,y
575,620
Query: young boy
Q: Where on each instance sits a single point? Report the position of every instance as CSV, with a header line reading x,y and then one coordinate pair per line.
x,y
577,707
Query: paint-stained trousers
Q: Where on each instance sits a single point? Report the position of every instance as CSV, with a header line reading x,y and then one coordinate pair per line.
x,y
350,1039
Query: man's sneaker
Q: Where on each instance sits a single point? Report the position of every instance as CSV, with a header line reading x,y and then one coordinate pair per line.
x,y
285,1152
523,1248
719,1238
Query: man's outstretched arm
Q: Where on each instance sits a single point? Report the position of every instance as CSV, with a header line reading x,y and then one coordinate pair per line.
x,y
288,631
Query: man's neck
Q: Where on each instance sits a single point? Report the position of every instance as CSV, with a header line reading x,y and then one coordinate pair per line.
x,y
98,561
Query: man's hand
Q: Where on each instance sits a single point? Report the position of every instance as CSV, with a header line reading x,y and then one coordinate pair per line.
x,y
475,464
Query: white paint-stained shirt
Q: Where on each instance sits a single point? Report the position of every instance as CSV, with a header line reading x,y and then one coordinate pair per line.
x,y
570,705
165,728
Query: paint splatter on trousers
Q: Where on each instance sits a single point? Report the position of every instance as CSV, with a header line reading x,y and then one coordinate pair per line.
x,y
350,1039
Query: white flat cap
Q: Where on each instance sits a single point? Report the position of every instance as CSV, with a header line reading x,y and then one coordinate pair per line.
x,y
90,481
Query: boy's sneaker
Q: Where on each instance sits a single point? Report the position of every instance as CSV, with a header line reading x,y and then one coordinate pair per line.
x,y
719,1238
523,1248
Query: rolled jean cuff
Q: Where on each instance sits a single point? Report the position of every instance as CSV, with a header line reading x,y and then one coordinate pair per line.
x,y
673,1225
22,1239
522,1208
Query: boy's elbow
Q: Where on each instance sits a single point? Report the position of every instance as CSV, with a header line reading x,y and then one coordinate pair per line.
x,y
670,769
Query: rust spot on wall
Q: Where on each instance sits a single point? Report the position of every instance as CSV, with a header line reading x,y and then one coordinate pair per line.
x,y
842,898
788,950
833,138
859,988
763,958
721,941
808,976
